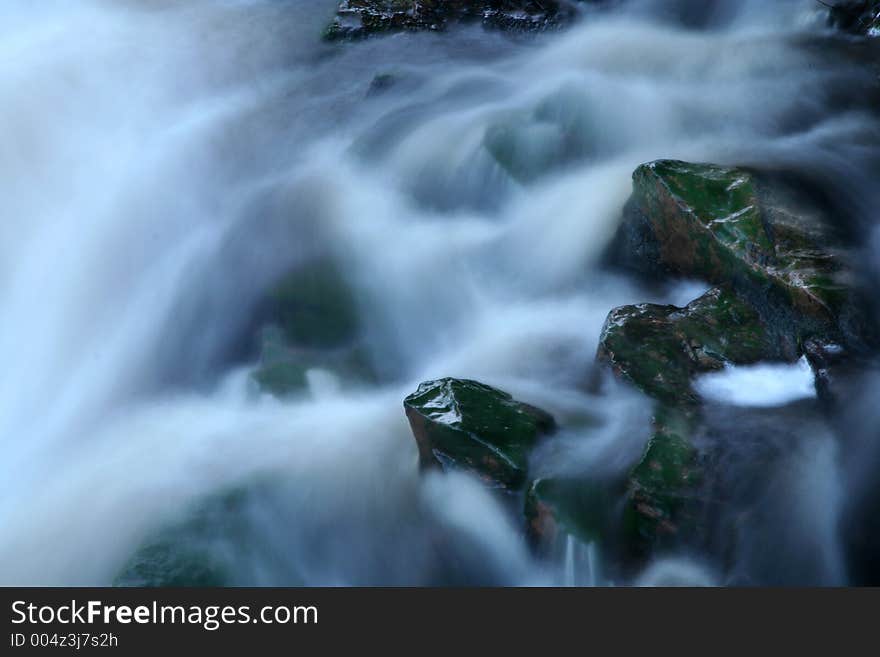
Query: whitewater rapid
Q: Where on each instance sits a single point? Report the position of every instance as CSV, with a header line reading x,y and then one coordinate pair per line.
x,y
148,151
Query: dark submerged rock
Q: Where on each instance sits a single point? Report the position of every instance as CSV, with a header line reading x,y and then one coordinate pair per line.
x,y
465,424
660,349
192,551
361,18
283,367
857,16
717,223
314,306
560,131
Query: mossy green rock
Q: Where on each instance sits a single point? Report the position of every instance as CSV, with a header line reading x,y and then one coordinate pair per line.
x,y
469,425
726,226
662,483
781,280
361,18
660,349
576,505
559,131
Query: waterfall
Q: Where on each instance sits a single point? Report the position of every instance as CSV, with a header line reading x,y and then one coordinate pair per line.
x,y
164,162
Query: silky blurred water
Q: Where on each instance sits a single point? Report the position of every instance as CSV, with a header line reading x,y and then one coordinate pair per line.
x,y
149,150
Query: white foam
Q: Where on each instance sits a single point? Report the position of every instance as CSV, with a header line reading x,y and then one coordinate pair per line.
x,y
764,385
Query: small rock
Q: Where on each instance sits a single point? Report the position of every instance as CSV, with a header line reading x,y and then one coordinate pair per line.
x,y
465,424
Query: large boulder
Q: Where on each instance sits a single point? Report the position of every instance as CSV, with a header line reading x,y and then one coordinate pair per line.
x,y
731,226
783,283
465,424
725,226
361,18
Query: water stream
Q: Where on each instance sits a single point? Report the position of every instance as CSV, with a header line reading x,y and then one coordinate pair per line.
x,y
163,162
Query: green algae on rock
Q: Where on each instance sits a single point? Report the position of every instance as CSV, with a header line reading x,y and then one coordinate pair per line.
x,y
575,505
283,368
660,349
314,306
466,424
723,225
361,18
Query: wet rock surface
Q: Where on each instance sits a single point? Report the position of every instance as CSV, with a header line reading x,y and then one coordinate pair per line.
x,y
729,226
361,18
660,349
465,424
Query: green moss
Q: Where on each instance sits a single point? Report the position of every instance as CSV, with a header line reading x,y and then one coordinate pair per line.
x,y
660,349
857,16
576,505
721,199
470,425
714,223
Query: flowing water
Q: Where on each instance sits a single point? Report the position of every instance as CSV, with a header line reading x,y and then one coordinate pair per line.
x,y
163,162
